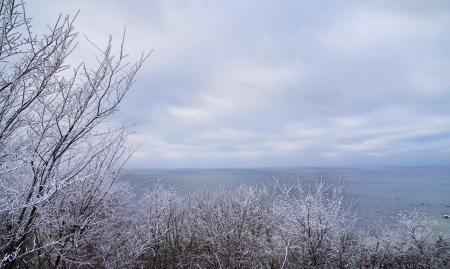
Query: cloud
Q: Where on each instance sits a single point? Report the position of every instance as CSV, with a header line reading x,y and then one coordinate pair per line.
x,y
364,29
298,83
234,90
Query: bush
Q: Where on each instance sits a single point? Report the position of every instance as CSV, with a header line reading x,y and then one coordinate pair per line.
x,y
297,226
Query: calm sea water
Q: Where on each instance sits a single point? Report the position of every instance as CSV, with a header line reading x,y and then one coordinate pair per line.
x,y
378,193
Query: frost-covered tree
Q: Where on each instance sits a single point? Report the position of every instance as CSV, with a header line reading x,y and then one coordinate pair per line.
x,y
57,162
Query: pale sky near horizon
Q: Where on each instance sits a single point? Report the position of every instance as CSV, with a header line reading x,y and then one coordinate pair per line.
x,y
278,83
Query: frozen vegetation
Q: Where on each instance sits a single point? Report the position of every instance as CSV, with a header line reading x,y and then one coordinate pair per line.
x,y
61,205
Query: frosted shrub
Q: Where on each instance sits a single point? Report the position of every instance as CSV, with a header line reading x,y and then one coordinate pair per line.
x,y
411,242
234,228
153,220
316,225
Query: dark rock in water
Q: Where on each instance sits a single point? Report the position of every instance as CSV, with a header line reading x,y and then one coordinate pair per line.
x,y
446,216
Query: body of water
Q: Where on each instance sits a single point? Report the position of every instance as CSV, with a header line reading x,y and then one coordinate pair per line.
x,y
377,193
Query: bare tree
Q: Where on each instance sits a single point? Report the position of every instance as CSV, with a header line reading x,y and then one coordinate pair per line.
x,y
57,162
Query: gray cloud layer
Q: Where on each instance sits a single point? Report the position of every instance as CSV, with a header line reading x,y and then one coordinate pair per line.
x,y
280,83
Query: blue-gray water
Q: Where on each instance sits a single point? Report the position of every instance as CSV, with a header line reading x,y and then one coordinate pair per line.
x,y
378,193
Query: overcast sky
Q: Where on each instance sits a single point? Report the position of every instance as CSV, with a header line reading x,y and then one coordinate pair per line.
x,y
278,83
